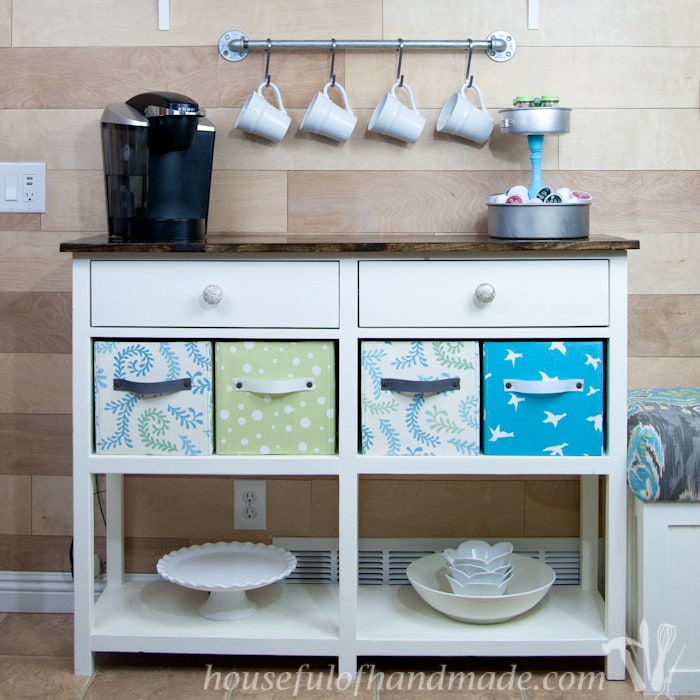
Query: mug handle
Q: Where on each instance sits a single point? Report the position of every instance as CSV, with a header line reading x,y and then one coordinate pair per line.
x,y
340,89
407,88
275,89
475,87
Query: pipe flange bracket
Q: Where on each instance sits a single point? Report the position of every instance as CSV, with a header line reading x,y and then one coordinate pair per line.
x,y
503,49
233,45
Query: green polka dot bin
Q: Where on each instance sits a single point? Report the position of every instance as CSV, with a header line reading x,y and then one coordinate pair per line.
x,y
275,398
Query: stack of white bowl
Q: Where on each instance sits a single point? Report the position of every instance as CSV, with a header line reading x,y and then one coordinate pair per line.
x,y
476,568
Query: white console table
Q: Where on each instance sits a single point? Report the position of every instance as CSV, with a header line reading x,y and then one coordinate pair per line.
x,y
348,290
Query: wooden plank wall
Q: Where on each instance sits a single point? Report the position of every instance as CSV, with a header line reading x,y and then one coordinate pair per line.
x,y
628,69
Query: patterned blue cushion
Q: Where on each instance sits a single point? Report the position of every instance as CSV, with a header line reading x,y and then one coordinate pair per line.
x,y
663,448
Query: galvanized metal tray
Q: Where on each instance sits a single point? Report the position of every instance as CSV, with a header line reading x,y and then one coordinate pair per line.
x,y
546,221
535,120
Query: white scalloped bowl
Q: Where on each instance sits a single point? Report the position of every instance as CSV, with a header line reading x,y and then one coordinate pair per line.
x,y
227,570
478,552
531,581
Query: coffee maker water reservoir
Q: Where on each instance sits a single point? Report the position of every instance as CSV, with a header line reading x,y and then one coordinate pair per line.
x,y
158,150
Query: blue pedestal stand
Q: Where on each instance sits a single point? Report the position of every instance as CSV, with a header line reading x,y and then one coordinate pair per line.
x,y
535,141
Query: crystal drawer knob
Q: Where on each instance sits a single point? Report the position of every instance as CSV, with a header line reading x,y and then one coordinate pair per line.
x,y
485,293
212,294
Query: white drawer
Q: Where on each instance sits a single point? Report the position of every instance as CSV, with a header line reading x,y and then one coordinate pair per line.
x,y
441,293
255,294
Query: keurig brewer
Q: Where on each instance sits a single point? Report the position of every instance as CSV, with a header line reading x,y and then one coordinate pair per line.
x,y
158,150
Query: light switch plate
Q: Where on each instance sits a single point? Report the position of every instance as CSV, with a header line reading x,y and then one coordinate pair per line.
x,y
23,187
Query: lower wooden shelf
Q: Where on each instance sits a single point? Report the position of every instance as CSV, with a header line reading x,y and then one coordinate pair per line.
x,y
394,620
302,619
157,616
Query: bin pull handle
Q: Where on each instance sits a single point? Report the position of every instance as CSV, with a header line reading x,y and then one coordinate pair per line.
x,y
543,386
152,388
272,386
420,386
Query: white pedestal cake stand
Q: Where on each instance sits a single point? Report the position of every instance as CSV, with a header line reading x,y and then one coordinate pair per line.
x,y
227,570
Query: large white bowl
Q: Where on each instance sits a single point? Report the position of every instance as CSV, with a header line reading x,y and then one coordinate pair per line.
x,y
227,570
531,581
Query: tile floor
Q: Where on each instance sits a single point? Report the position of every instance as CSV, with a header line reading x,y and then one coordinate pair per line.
x,y
36,661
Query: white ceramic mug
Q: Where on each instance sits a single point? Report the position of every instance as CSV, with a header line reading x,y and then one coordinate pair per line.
x,y
460,117
260,117
326,118
392,117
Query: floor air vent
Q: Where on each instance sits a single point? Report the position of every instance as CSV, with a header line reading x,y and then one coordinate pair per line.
x,y
384,561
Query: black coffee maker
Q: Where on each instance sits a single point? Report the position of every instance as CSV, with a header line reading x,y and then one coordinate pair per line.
x,y
158,150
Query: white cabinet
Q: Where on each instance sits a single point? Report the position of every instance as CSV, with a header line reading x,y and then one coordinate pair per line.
x,y
349,294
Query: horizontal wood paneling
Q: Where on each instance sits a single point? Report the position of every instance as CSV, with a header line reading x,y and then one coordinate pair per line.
x,y
49,514
106,75
65,139
19,222
5,22
16,513
455,201
35,383
249,201
141,554
134,22
75,202
663,371
552,501
31,262
664,324
37,322
441,508
667,263
593,23
179,507
35,553
36,443
634,139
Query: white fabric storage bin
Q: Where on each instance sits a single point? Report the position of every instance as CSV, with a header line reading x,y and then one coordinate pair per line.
x,y
153,397
420,397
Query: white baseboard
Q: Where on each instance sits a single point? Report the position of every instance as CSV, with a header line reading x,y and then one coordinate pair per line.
x,y
36,591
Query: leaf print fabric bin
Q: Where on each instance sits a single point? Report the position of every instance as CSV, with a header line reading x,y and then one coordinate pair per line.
x,y
153,397
543,398
420,397
275,397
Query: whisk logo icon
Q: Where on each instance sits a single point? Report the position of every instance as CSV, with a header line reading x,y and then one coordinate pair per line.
x,y
659,663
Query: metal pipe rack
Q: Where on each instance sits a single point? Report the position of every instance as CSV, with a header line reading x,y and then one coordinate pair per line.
x,y
499,46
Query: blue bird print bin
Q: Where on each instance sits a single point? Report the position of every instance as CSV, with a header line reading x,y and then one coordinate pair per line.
x,y
543,398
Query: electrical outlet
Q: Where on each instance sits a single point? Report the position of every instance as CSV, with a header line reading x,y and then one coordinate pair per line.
x,y
23,187
249,504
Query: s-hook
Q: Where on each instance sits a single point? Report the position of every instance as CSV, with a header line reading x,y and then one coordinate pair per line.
x,y
268,51
469,78
332,75
399,76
